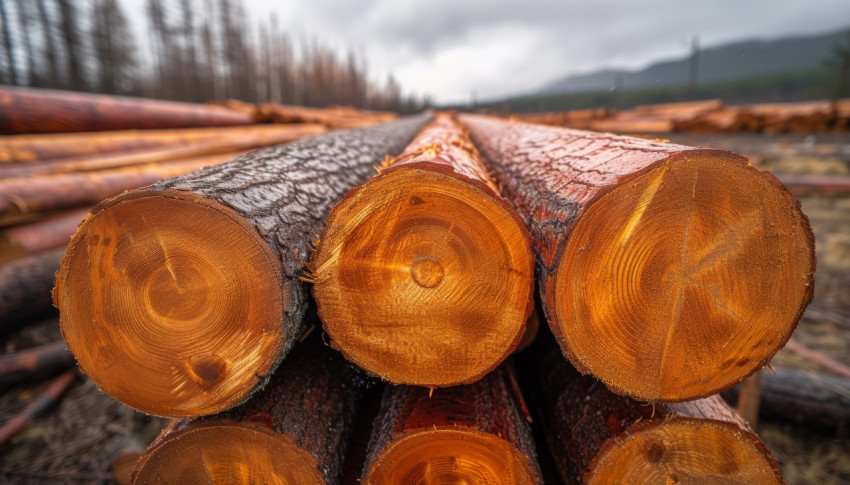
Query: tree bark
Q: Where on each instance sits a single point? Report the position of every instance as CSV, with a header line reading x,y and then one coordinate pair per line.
x,y
597,436
192,285
669,272
33,362
424,275
25,110
474,433
25,287
38,237
68,147
21,196
297,430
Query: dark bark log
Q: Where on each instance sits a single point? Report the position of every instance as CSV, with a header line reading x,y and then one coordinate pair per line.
x,y
816,184
25,110
424,275
77,147
37,361
802,397
597,436
230,242
38,237
301,423
25,287
123,461
669,272
475,433
21,196
41,404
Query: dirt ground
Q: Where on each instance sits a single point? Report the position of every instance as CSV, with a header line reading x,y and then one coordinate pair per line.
x,y
76,440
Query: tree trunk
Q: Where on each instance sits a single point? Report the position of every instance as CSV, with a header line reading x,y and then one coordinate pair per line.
x,y
157,155
38,237
424,275
597,436
296,430
668,272
25,287
81,146
25,110
802,397
34,362
22,196
181,298
465,434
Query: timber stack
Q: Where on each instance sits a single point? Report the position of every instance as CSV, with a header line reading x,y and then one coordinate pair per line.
x,y
307,320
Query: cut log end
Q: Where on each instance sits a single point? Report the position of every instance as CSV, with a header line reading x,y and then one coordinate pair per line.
x,y
685,450
704,245
450,456
423,278
174,293
228,453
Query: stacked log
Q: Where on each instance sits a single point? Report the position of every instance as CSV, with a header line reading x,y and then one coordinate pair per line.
x,y
333,117
424,274
210,264
650,256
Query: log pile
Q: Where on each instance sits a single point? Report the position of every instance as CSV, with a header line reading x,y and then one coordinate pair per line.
x,y
666,273
710,116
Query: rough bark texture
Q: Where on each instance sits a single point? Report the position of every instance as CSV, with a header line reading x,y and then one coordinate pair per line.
x,y
25,287
37,361
637,241
795,395
583,420
21,149
31,239
314,398
24,110
490,406
53,192
40,404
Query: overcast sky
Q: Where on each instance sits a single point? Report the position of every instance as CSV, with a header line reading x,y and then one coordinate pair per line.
x,y
452,48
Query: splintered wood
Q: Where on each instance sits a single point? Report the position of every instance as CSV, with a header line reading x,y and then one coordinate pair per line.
x,y
668,272
424,275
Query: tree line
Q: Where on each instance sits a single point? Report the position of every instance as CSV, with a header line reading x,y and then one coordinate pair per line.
x,y
192,50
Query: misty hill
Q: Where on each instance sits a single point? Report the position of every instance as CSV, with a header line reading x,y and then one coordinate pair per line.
x,y
721,63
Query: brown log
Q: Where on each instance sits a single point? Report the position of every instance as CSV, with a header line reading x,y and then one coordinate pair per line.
x,y
597,436
36,361
749,400
181,298
335,117
123,461
296,430
200,148
816,184
669,272
71,146
424,275
807,398
38,237
474,433
818,358
25,287
27,110
41,404
21,196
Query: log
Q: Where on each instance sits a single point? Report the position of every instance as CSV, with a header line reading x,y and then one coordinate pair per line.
x,y
200,148
70,146
124,459
25,287
838,185
181,298
27,110
334,117
38,237
669,272
424,275
806,398
36,361
297,430
22,196
51,396
597,436
466,434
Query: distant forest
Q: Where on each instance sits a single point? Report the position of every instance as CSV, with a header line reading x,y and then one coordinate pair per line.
x,y
196,50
